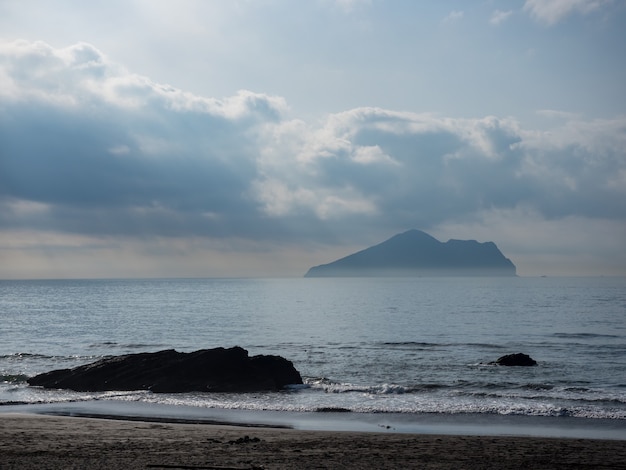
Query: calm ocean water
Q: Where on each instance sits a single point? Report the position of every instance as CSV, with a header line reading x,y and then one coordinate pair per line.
x,y
407,345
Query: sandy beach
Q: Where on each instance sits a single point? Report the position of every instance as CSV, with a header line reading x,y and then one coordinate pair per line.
x,y
29,441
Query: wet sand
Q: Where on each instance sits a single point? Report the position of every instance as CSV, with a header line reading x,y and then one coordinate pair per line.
x,y
29,441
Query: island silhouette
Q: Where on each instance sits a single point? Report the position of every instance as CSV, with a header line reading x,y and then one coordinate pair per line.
x,y
416,253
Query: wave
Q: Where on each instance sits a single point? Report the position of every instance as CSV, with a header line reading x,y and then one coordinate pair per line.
x,y
30,356
550,394
410,344
419,345
583,335
504,386
330,386
333,397
116,345
22,355
491,390
13,378
466,406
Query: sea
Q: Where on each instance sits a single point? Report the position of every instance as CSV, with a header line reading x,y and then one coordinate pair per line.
x,y
391,352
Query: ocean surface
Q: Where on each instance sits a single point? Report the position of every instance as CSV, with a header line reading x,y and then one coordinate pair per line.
x,y
408,346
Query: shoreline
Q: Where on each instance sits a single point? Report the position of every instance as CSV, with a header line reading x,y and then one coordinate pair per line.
x,y
29,441
335,420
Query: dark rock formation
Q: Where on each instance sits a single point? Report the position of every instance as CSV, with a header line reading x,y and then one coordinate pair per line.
x,y
518,359
415,253
206,370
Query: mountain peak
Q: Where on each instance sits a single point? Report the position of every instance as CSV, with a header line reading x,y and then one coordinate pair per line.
x,y
414,234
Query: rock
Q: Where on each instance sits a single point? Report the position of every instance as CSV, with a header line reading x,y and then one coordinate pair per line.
x,y
518,359
169,371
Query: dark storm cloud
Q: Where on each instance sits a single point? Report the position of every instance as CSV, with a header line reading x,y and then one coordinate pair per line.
x,y
104,162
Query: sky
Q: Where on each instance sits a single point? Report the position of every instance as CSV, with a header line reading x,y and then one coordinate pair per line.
x,y
209,138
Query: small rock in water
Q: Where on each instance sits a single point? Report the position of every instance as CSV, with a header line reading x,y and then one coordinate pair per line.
x,y
517,359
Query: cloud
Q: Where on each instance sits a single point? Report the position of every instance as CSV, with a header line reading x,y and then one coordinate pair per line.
x,y
96,152
453,16
351,5
466,165
499,16
112,152
553,11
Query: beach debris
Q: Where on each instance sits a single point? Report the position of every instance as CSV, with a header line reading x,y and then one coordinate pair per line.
x,y
333,409
169,371
245,440
517,359
202,467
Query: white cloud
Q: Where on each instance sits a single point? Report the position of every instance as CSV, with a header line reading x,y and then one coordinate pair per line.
x,y
499,16
557,114
80,74
553,11
351,5
398,160
371,154
453,16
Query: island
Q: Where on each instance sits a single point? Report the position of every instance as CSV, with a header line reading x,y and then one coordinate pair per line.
x,y
416,253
